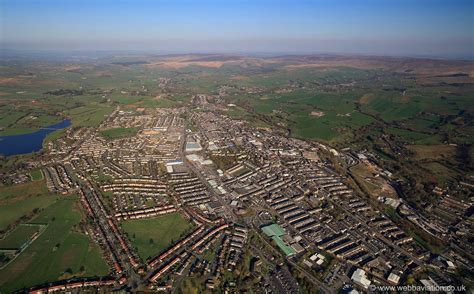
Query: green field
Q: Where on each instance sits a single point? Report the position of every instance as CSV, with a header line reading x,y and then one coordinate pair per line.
x,y
26,120
60,252
329,127
152,236
36,175
432,152
89,116
21,201
53,136
19,236
439,172
119,133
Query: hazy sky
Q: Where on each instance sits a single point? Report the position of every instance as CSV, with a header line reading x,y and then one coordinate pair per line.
x,y
388,27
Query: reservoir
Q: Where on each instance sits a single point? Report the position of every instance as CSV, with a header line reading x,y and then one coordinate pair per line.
x,y
27,143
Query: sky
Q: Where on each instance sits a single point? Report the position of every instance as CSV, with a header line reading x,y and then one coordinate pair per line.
x,y
442,28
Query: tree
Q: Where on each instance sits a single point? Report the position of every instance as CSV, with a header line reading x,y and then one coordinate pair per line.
x,y
151,241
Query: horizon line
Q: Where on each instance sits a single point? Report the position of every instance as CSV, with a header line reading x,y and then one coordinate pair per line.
x,y
249,53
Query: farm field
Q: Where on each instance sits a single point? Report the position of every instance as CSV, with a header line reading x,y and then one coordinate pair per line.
x,y
60,252
17,122
152,236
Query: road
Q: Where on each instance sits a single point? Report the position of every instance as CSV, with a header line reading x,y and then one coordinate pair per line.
x,y
229,213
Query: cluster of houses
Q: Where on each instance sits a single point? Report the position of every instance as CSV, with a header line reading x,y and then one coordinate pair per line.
x,y
195,244
190,189
58,179
76,285
137,195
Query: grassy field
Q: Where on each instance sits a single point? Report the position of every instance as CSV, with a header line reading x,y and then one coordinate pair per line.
x,y
36,175
152,236
119,133
19,201
89,116
432,152
60,252
330,127
439,173
53,136
121,99
19,236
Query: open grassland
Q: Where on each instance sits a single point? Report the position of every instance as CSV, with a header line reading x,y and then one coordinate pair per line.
x,y
152,236
330,127
89,116
192,285
119,133
438,172
432,152
60,252
53,136
36,175
161,102
408,135
19,236
125,100
21,201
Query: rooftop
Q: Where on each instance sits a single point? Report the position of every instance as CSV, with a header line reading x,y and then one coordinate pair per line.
x,y
273,230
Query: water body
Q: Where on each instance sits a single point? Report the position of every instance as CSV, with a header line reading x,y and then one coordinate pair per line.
x,y
27,143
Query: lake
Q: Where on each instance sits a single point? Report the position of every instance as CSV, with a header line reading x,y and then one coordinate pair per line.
x,y
27,143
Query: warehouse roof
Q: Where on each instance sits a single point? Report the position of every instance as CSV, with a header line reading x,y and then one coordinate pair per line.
x,y
285,248
273,230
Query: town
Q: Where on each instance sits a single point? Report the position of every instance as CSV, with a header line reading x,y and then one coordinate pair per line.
x,y
270,211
